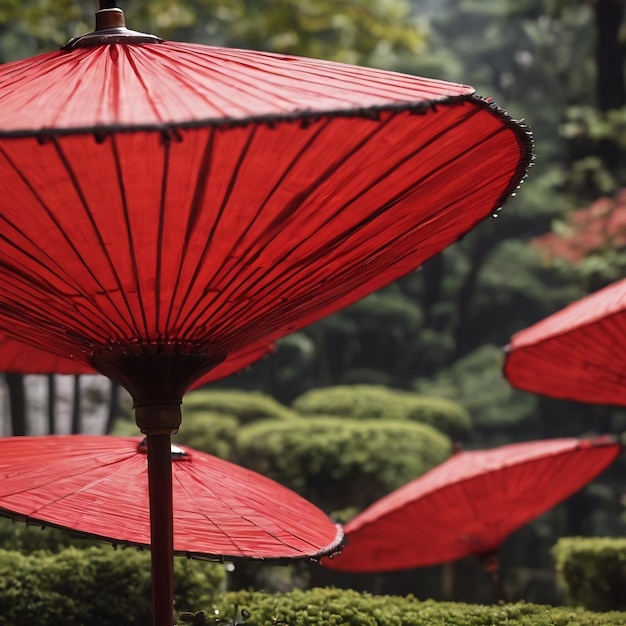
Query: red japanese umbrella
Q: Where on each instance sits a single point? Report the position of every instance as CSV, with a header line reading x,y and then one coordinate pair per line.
x,y
470,504
164,205
97,486
577,353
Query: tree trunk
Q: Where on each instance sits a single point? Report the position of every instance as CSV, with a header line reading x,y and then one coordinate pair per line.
x,y
114,406
76,425
478,255
17,398
609,57
610,89
432,279
52,397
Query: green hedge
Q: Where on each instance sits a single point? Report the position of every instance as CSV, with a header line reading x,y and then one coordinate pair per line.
x,y
377,401
94,587
334,607
246,406
338,462
592,571
209,432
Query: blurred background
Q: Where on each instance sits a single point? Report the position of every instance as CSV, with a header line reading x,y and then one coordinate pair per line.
x,y
363,401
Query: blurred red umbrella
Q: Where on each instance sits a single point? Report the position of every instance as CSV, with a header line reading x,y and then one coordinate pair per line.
x,y
470,504
575,354
97,486
164,205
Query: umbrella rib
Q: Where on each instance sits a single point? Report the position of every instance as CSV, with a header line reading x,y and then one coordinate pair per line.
x,y
222,273
342,238
131,247
60,271
285,212
103,247
231,186
338,278
40,310
159,242
200,190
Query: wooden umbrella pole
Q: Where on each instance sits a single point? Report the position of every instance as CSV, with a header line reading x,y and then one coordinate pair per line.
x,y
158,423
491,563
161,528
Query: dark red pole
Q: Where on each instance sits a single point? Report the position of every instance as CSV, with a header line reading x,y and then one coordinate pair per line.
x,y
161,528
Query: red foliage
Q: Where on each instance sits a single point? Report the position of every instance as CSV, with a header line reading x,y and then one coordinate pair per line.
x,y
600,226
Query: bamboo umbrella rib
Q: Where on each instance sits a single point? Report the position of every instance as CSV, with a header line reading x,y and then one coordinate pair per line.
x,y
328,252
132,248
98,236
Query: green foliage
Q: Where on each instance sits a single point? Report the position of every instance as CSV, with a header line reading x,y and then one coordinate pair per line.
x,y
476,382
340,462
592,571
101,586
375,31
379,402
28,538
354,401
334,607
245,406
213,433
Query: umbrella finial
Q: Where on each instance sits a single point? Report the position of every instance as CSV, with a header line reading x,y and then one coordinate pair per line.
x,y
109,16
110,28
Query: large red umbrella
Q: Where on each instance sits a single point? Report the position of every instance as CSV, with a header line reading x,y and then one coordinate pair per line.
x,y
577,353
470,504
97,486
163,205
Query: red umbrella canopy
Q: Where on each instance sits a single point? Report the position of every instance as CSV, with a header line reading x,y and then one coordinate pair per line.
x,y
470,504
577,353
22,358
97,485
163,205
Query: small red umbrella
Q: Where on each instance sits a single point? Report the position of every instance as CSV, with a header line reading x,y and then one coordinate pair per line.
x,y
97,486
470,504
577,353
164,205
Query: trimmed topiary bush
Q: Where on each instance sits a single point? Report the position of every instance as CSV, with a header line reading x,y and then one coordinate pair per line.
x,y
592,571
337,462
378,401
335,607
246,406
445,415
94,586
354,401
209,432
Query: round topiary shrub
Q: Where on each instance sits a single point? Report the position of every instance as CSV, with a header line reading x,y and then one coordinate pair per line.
x,y
246,406
380,402
337,462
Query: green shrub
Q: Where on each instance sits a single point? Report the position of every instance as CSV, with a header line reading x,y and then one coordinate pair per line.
x,y
29,538
445,415
377,401
337,462
335,607
475,381
94,586
209,432
592,571
246,406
